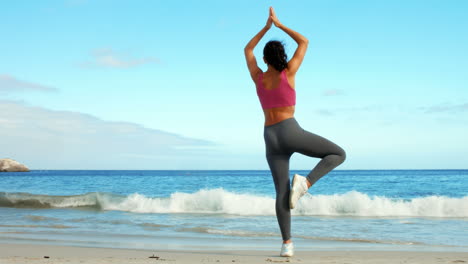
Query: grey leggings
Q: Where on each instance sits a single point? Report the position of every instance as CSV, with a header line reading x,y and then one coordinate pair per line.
x,y
282,140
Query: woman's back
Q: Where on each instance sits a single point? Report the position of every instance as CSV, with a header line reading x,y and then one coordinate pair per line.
x,y
274,90
277,96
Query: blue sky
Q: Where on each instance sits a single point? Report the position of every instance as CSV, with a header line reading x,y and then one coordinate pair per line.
x,y
163,84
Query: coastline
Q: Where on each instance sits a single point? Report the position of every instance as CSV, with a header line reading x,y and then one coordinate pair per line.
x,y
31,253
126,217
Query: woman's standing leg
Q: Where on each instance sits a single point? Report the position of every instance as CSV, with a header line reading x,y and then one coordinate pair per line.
x,y
279,167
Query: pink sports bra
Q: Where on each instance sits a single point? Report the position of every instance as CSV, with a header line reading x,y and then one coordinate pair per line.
x,y
283,95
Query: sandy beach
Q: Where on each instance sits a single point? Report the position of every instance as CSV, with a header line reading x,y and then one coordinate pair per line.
x,y
28,253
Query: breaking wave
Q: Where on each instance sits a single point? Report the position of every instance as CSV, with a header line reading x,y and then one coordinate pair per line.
x,y
220,201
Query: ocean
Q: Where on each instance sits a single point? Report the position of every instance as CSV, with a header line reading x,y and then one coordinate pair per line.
x,y
224,209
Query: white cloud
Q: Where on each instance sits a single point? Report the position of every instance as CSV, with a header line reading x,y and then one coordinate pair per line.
x,y
350,109
9,83
44,138
108,58
445,107
324,112
332,92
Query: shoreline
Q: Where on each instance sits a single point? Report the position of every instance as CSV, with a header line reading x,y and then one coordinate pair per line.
x,y
37,253
219,244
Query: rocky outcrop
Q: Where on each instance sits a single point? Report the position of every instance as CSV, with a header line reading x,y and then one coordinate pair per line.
x,y
7,165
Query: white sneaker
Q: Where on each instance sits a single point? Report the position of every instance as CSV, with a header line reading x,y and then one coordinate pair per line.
x,y
298,189
287,250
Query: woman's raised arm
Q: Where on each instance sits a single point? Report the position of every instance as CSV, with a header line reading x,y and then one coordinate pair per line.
x,y
248,50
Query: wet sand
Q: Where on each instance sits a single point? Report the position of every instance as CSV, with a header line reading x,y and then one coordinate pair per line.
x,y
51,254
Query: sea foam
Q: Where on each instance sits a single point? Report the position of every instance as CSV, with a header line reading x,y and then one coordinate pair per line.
x,y
220,201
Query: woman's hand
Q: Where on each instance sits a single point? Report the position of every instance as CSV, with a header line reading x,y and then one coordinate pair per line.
x,y
269,22
273,17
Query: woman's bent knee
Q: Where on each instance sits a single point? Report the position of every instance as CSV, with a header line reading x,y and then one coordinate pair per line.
x,y
337,158
342,155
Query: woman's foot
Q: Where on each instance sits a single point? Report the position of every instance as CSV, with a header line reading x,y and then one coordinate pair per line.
x,y
298,189
287,250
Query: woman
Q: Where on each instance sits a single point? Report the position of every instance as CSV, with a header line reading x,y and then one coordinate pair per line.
x,y
283,135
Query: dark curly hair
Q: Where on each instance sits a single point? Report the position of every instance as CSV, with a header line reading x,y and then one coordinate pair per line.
x,y
275,55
